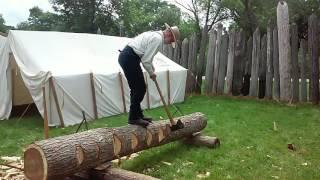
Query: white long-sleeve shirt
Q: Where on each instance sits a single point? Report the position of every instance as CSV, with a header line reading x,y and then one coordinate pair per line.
x,y
146,46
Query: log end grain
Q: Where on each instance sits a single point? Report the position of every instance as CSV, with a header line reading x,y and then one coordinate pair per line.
x,y
35,163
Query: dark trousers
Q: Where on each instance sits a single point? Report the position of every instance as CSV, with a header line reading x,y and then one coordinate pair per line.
x,y
130,63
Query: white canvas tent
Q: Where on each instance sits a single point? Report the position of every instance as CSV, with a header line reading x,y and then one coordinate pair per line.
x,y
77,72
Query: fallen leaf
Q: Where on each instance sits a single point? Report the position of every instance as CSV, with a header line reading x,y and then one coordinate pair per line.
x,y
269,156
242,160
275,177
166,163
187,163
304,164
201,176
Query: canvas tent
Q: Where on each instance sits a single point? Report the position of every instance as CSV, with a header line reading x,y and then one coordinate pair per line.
x,y
77,72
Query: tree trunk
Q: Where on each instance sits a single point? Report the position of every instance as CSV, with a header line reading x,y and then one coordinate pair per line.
x,y
276,74
230,64
269,75
210,61
314,53
303,89
223,64
217,60
294,61
255,63
76,152
284,51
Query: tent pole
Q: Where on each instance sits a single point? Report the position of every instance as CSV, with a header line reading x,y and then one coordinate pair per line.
x,y
168,86
122,93
45,114
93,90
56,101
147,88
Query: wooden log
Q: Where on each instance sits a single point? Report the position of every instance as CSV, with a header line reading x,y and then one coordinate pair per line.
x,y
255,63
77,152
201,61
284,51
229,76
263,67
303,87
269,70
247,68
184,53
200,140
240,47
217,60
54,92
294,62
210,61
276,74
93,93
223,64
313,31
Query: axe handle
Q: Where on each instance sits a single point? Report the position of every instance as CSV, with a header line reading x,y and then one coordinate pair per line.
x,y
164,104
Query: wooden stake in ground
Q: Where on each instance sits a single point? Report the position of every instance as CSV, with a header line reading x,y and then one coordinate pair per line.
x,y
66,155
276,74
303,88
201,65
284,51
210,61
294,60
269,70
223,64
229,76
217,60
255,63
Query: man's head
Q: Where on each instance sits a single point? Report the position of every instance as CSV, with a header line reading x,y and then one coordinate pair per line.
x,y
171,35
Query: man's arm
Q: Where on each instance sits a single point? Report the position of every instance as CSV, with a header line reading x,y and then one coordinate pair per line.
x,y
151,51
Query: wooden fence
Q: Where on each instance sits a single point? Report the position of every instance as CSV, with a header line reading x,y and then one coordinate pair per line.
x,y
276,65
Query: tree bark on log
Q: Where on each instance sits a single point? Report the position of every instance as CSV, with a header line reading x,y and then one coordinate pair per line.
x,y
284,51
200,140
76,152
119,174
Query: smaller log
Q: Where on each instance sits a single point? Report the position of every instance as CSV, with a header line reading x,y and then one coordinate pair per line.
x,y
200,140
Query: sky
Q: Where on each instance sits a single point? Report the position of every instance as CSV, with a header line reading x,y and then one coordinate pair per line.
x,y
16,11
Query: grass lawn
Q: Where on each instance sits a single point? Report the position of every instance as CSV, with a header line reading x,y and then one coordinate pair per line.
x,y
250,148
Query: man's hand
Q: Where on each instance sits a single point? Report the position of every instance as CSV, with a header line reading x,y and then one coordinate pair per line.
x,y
153,76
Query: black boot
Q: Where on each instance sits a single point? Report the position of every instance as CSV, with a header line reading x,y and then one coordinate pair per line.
x,y
139,122
149,119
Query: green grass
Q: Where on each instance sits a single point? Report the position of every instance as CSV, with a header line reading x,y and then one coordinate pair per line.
x,y
250,148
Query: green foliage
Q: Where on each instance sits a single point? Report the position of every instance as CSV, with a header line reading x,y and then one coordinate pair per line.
x,y
3,27
187,28
39,21
144,15
250,148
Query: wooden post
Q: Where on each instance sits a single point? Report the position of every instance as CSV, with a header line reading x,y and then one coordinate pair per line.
x,y
303,90
45,114
294,60
255,63
184,53
247,68
147,88
168,86
314,52
223,64
276,74
229,77
239,53
191,41
94,100
210,61
217,60
176,54
122,93
200,67
284,51
262,67
195,48
56,101
269,75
